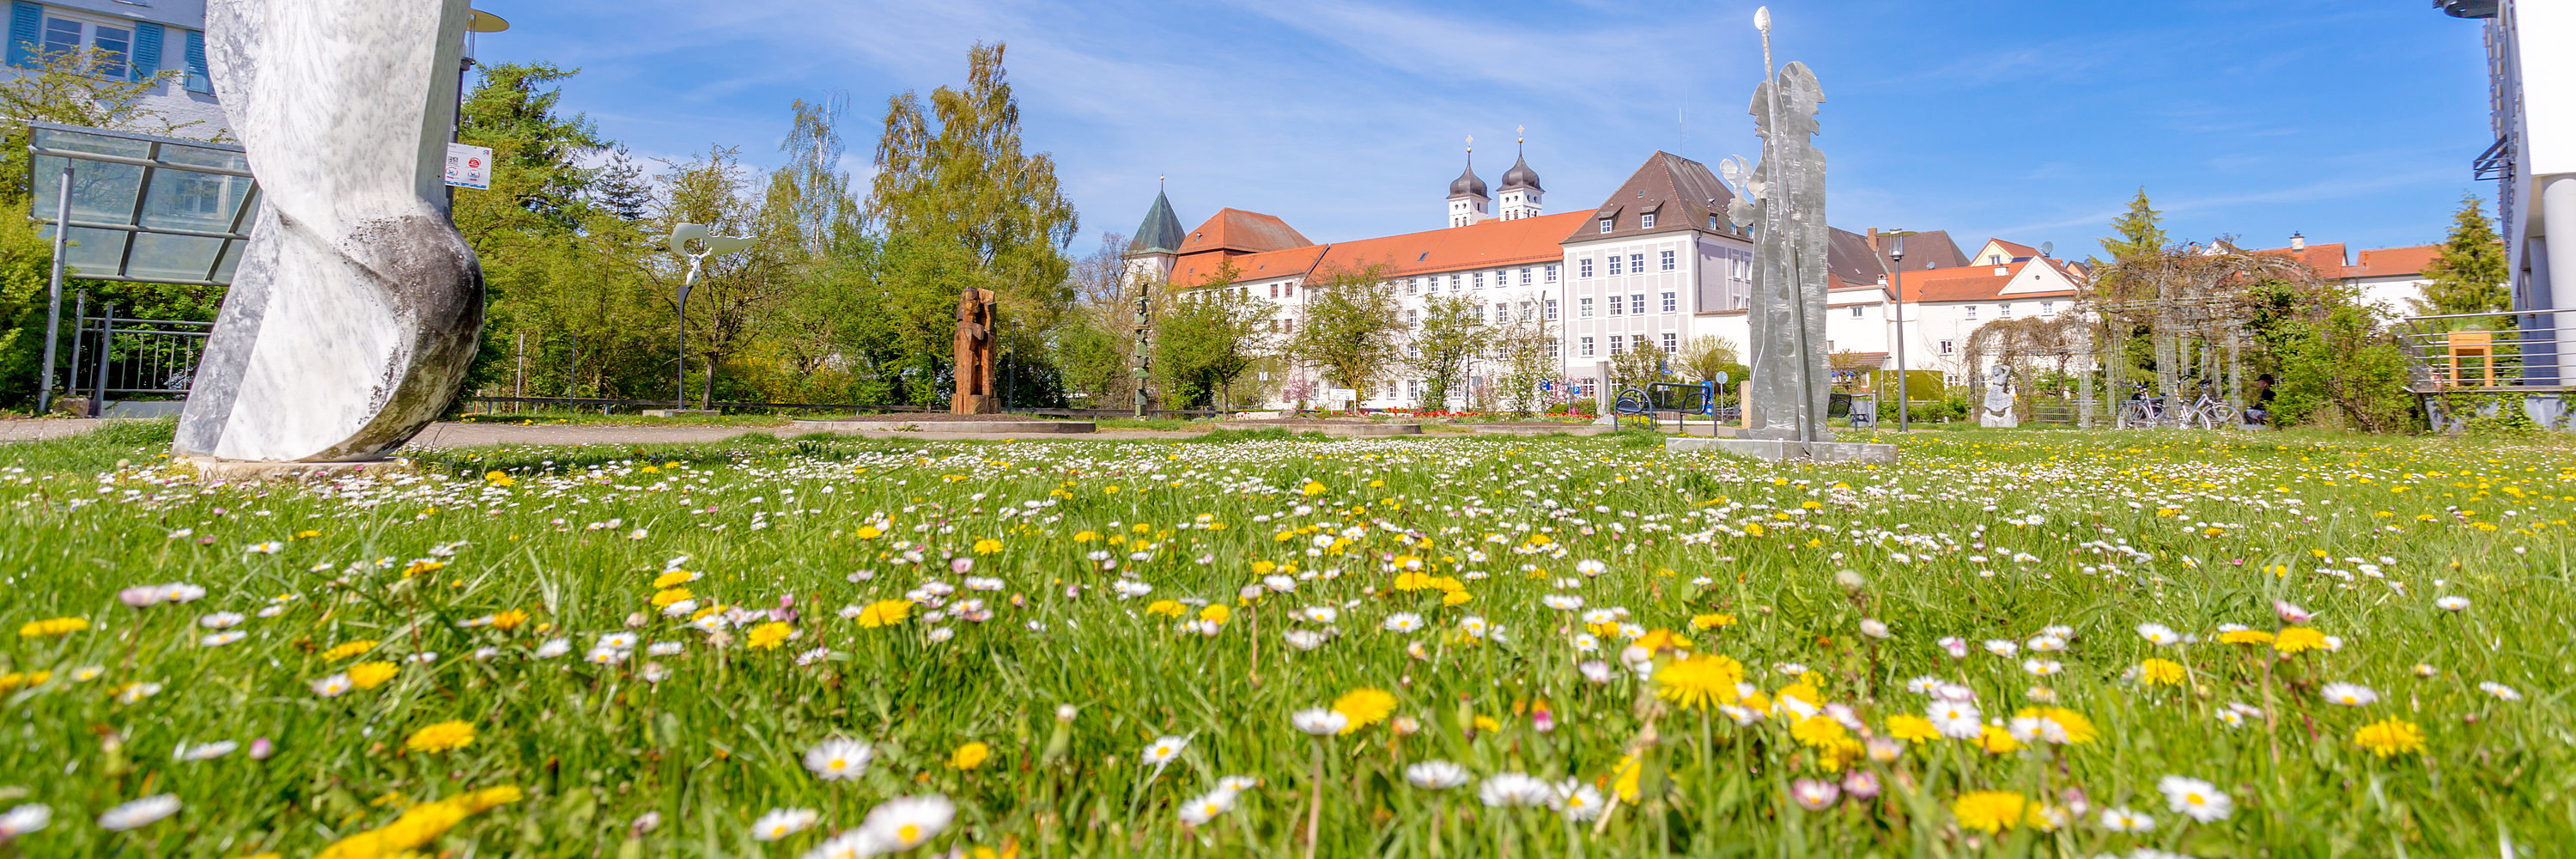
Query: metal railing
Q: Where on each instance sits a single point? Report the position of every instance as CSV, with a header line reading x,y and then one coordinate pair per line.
x,y
2485,352
150,358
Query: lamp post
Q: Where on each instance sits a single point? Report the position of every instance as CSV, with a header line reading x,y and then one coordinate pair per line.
x,y
707,244
1896,282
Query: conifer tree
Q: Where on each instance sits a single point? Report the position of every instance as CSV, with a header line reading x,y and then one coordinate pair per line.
x,y
2470,276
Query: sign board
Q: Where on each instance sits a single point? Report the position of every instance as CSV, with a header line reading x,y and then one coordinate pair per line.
x,y
1341,395
469,166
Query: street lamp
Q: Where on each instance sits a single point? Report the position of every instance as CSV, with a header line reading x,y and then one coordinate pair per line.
x,y
707,244
1896,282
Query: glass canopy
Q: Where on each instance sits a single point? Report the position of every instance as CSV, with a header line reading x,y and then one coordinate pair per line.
x,y
143,208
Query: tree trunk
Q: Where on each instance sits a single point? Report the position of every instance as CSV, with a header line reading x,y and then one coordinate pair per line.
x,y
707,388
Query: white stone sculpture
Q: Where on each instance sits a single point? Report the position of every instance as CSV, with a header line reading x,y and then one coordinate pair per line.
x,y
356,306
1997,411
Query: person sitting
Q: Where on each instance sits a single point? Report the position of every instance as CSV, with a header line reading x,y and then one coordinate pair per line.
x,y
2260,414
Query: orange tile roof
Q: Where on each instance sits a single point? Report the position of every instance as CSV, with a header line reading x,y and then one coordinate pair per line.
x,y
2016,248
1238,231
2392,262
1195,269
2327,259
1977,282
1491,243
1521,241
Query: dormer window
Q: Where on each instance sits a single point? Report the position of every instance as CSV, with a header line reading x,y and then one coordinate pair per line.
x,y
1646,221
1605,224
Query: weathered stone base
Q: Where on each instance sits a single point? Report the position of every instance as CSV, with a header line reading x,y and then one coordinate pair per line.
x,y
947,427
1783,450
679,413
1527,429
212,470
1338,430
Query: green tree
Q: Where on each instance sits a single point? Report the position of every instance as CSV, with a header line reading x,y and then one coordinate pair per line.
x,y
2471,275
1205,336
1452,331
951,174
1524,348
1353,330
2141,230
2341,370
1707,355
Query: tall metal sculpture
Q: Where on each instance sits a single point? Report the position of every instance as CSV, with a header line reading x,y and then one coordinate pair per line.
x,y
1784,198
357,305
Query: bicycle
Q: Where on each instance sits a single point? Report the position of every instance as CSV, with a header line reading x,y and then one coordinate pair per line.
x,y
2209,413
2141,411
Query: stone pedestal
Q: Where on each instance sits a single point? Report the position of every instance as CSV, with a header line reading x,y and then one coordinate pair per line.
x,y
1787,450
2005,419
212,470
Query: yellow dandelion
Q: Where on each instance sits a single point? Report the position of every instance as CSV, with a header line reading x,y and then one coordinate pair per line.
x,y
1989,811
1911,728
2160,672
884,613
442,737
674,578
1712,621
509,620
1166,608
1996,740
768,635
2299,639
1699,682
969,756
2245,636
1217,613
1658,639
348,649
1364,706
987,546
2390,737
667,596
53,627
1818,732
369,675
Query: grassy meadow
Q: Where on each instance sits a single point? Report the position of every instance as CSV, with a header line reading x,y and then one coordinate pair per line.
x,y
2030,643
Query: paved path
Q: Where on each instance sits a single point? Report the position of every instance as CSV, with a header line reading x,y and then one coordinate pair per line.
x,y
480,434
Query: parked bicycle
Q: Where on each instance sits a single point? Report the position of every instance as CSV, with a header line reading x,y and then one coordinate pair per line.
x,y
2140,411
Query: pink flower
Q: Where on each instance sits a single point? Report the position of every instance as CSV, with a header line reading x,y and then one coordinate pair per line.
x,y
1861,784
261,748
1957,647
1814,794
961,564
2291,612
140,596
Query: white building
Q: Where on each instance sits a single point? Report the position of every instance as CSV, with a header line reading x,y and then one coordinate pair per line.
x,y
2532,111
131,40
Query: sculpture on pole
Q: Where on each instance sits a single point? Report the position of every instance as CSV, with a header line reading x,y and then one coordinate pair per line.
x,y
1998,410
1784,199
974,355
356,306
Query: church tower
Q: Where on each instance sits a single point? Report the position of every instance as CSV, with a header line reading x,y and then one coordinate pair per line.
x,y
1520,188
1467,199
1157,245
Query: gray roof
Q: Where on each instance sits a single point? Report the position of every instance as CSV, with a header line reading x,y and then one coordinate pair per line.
x,y
1682,192
1467,184
1161,232
1521,175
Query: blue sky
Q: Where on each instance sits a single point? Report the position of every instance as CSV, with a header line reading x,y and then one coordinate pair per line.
x,y
2347,120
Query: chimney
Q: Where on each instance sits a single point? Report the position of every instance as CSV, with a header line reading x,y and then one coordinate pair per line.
x,y
2298,242
1873,238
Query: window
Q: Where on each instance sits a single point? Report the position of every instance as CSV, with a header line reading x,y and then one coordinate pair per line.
x,y
1646,221
1614,345
1614,265
1412,286
1478,280
1637,304
1972,311
2048,308
1605,224
1672,343
1617,308
1994,259
1855,311
1525,277
1480,314
1583,308
1637,263
1668,260
1551,273
1672,302
1274,290
114,46
1555,349
1949,346
1409,316
1551,310
2003,311
1586,346
1637,342
1453,283
1712,222
1583,267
